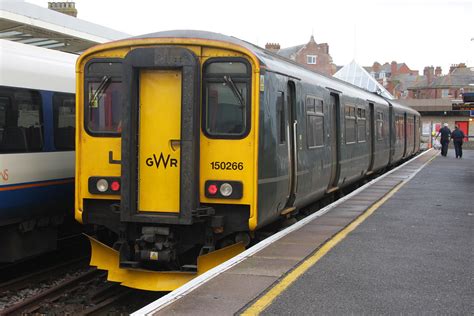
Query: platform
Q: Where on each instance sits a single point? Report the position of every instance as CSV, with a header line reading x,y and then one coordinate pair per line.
x,y
401,244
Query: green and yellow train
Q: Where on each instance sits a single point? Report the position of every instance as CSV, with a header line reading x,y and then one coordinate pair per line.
x,y
188,142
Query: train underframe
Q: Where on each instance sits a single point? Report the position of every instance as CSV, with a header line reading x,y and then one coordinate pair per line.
x,y
154,246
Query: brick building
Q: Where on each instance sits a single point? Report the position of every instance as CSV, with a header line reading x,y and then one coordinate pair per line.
x,y
395,77
312,55
436,86
439,99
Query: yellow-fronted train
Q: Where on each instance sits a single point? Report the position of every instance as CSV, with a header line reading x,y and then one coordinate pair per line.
x,y
188,142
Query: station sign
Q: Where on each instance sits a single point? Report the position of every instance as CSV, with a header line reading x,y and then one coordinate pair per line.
x,y
469,106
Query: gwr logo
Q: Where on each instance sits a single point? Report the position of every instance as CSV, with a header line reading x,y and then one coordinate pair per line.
x,y
4,174
161,160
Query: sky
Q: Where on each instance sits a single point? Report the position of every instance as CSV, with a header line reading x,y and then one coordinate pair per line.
x,y
417,32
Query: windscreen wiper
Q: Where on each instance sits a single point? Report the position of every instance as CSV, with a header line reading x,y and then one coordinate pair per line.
x,y
104,83
228,80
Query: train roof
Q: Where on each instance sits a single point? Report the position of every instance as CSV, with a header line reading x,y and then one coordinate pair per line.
x,y
276,63
32,67
272,61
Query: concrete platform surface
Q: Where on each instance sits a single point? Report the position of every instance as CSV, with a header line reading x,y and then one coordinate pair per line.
x,y
413,255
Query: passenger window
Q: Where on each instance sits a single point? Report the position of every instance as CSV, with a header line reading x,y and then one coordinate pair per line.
x,y
64,120
361,125
281,117
350,124
314,122
380,134
4,105
226,98
21,122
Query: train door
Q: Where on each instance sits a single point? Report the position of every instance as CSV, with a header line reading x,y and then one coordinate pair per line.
x,y
372,136
160,96
414,133
391,132
290,114
160,135
335,138
405,133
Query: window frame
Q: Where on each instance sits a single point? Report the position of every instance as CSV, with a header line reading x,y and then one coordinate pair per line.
x,y
361,115
62,96
350,113
380,136
312,57
87,77
9,93
281,118
314,112
217,78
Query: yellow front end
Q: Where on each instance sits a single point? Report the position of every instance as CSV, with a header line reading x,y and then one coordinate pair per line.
x,y
144,188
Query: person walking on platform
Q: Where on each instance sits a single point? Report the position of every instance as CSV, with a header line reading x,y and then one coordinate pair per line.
x,y
457,135
445,133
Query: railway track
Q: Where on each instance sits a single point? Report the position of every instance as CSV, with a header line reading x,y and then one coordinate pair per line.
x,y
83,292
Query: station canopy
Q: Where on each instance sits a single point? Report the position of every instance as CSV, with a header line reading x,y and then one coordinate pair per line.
x,y
358,76
28,23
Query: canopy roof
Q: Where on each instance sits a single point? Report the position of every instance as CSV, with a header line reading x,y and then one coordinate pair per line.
x,y
31,24
358,76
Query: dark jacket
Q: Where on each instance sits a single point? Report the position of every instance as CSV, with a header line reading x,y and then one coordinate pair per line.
x,y
445,133
457,135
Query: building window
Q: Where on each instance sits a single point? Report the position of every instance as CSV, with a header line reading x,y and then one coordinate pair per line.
x,y
311,59
444,93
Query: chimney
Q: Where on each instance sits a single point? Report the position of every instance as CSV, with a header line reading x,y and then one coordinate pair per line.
x,y
393,68
68,8
376,67
438,71
273,47
429,72
324,48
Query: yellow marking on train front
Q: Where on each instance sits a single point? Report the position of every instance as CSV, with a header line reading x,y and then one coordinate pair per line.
x,y
106,258
263,302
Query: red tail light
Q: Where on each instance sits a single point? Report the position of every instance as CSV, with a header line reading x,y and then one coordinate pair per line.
x,y
115,186
212,189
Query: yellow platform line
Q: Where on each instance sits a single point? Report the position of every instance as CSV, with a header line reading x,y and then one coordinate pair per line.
x,y
264,301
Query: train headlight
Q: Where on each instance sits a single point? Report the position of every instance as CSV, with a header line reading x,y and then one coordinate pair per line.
x,y
226,189
102,185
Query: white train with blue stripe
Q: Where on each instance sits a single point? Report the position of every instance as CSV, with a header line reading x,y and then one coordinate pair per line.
x,y
37,128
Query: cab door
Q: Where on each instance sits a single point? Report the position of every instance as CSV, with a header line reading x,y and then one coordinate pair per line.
x,y
160,136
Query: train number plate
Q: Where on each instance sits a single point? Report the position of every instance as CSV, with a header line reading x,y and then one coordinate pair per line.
x,y
227,165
